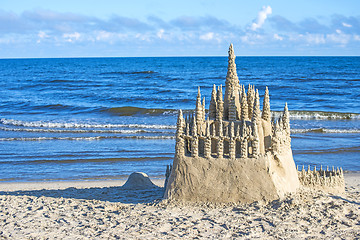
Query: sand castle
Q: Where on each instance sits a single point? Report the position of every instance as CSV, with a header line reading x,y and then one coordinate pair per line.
x,y
237,153
331,181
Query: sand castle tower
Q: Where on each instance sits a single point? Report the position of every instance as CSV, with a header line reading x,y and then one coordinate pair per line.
x,y
236,153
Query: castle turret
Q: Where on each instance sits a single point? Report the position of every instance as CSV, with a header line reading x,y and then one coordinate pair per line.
x,y
207,140
213,130
232,109
194,132
220,105
212,107
256,108
220,142
244,106
237,133
180,124
194,141
255,141
232,143
250,99
221,129
203,109
207,130
198,112
286,120
244,141
266,114
232,130
180,144
231,83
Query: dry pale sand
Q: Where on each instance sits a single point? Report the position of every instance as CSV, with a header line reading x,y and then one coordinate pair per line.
x,y
103,210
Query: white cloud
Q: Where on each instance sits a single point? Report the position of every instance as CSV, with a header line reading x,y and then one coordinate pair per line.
x,y
160,33
207,36
315,38
42,35
308,38
339,38
262,15
53,29
103,35
252,38
146,37
346,25
277,37
71,37
109,37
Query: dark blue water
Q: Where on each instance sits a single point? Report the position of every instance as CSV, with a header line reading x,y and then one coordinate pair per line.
x,y
103,118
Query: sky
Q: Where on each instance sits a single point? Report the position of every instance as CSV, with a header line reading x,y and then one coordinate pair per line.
x,y
145,28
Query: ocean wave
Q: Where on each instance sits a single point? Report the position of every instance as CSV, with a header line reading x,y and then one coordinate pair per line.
x,y
318,115
42,124
59,107
294,114
84,138
325,130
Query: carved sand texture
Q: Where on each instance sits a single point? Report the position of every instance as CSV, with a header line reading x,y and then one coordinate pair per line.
x,y
237,153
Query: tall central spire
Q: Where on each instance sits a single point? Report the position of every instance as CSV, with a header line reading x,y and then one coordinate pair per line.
x,y
231,84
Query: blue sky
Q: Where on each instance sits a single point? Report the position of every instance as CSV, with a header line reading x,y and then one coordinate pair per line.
x,y
43,28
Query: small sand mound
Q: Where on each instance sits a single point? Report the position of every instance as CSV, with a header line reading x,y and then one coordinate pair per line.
x,y
139,180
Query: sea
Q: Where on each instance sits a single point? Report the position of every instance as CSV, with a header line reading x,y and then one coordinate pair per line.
x,y
103,118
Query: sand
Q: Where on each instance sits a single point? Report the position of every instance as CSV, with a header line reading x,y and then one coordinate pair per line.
x,y
104,210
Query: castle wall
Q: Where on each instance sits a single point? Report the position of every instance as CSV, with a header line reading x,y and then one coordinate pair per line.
x,y
220,180
331,181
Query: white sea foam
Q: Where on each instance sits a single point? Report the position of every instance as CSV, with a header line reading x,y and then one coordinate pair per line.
x,y
325,130
50,130
84,138
42,124
318,115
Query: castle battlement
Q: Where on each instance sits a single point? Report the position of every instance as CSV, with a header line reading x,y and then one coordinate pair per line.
x,y
330,180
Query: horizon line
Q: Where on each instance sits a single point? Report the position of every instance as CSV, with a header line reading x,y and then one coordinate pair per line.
x,y
185,56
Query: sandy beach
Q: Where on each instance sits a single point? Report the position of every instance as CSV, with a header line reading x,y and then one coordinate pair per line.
x,y
104,210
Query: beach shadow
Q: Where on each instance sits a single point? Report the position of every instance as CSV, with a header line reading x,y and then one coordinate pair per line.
x,y
111,194
346,200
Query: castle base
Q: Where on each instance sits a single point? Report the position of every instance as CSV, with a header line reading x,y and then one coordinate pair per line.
x,y
226,180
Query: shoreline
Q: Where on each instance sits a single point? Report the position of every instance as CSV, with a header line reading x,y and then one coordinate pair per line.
x,y
61,185
352,179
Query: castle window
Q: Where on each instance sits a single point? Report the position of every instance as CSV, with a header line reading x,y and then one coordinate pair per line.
x,y
213,147
187,147
238,149
201,147
250,148
226,148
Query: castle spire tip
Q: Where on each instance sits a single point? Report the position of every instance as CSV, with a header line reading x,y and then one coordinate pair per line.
x,y
231,50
